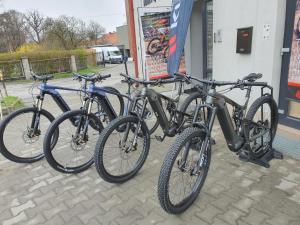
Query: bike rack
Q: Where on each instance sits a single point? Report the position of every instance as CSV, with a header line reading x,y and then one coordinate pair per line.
x,y
272,153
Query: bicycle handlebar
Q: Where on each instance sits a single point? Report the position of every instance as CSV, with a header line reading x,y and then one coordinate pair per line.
x,y
222,83
131,80
42,77
92,77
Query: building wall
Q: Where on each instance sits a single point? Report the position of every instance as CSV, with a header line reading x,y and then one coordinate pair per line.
x,y
122,34
266,53
195,42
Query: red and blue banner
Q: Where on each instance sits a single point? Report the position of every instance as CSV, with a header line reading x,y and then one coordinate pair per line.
x,y
179,24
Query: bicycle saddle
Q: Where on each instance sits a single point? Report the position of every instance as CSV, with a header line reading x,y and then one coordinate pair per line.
x,y
253,77
42,77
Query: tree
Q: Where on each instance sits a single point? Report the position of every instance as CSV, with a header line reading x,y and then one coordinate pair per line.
x,y
37,24
69,32
12,30
94,31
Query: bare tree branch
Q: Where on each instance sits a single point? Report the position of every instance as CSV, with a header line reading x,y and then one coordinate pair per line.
x,y
36,24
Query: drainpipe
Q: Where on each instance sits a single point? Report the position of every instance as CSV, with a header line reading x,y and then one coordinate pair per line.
x,y
132,34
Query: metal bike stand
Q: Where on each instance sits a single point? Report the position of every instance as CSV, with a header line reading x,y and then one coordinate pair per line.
x,y
272,153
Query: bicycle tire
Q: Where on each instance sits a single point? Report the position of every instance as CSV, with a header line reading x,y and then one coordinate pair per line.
x,y
166,169
120,98
99,161
48,150
5,152
186,104
267,99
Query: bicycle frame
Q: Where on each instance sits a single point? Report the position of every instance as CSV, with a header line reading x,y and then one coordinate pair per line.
x,y
52,91
216,105
154,99
100,93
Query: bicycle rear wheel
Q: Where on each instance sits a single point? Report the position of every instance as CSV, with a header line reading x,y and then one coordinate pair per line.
x,y
73,152
183,172
19,142
262,124
122,149
189,107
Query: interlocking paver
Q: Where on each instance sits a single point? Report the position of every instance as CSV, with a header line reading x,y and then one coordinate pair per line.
x,y
20,208
235,192
244,204
256,217
16,219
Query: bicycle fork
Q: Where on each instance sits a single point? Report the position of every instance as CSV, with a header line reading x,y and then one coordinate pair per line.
x,y
35,122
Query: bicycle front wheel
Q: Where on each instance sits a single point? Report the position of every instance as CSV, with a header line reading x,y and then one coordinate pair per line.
x,y
184,171
122,149
20,140
73,152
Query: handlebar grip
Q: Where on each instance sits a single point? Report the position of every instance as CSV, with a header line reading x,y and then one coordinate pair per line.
x,y
105,76
179,74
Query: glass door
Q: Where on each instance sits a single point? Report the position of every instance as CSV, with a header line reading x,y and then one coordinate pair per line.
x,y
289,107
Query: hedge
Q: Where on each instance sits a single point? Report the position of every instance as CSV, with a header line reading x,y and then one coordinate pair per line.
x,y
39,55
42,62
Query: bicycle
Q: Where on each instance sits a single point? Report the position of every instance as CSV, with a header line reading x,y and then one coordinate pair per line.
x,y
159,43
127,138
79,137
29,124
249,135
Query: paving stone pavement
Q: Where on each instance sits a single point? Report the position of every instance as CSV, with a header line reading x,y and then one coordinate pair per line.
x,y
235,192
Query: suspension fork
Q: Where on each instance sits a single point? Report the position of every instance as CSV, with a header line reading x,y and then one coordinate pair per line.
x,y
128,127
35,122
87,107
206,143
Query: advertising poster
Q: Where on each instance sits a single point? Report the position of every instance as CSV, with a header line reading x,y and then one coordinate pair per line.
x,y
155,40
294,68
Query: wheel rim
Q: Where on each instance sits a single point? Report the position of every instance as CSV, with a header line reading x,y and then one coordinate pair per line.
x,y
21,140
260,127
121,156
74,149
190,110
185,178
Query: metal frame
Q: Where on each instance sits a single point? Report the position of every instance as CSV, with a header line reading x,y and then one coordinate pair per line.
x,y
216,105
283,103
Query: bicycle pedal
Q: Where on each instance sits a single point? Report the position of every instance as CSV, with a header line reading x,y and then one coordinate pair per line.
x,y
244,156
159,138
213,141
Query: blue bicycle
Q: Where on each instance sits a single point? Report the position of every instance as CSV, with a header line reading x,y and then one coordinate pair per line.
x,y
22,132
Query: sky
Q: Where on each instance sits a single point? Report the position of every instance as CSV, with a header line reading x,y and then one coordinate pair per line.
x,y
109,13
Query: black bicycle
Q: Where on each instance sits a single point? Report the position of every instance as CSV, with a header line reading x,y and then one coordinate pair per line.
x,y
250,135
123,146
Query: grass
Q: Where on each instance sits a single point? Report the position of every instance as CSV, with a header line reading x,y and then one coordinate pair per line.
x,y
12,101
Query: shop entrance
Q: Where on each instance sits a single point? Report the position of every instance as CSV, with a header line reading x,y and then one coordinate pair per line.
x,y
289,102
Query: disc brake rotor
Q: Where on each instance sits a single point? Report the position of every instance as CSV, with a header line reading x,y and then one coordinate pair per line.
x,y
29,137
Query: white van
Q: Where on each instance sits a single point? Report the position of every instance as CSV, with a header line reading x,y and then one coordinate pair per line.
x,y
111,54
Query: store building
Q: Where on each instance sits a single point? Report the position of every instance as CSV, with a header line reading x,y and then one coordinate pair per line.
x,y
123,40
269,43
